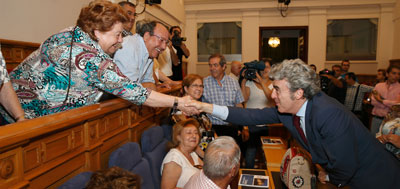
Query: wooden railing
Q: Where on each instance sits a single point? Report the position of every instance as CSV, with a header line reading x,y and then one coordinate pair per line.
x,y
47,151
15,52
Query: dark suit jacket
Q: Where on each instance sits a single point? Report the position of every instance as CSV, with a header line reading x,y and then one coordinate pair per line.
x,y
337,141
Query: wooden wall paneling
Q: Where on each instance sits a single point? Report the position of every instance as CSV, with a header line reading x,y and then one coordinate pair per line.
x,y
56,146
50,177
11,167
47,151
93,159
15,52
32,156
110,145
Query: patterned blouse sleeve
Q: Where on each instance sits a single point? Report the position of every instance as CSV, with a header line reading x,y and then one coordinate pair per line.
x,y
3,71
114,82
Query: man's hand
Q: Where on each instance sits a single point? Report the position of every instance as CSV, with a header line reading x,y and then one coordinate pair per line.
x,y
201,106
377,96
391,138
322,176
187,110
163,85
245,134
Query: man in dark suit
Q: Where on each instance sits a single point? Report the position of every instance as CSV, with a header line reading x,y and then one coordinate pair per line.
x,y
334,136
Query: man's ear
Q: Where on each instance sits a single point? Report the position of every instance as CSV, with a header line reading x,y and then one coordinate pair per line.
x,y
234,171
299,94
146,36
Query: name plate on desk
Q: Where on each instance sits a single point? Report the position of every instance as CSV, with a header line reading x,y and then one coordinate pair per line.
x,y
273,142
254,178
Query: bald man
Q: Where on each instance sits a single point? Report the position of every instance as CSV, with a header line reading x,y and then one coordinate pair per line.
x,y
236,66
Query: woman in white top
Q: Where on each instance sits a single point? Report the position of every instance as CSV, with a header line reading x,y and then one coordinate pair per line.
x,y
257,94
181,162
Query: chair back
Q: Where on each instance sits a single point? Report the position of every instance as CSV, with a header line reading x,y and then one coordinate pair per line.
x,y
167,131
129,157
77,182
154,148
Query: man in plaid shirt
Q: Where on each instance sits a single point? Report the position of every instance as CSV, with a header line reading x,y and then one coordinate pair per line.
x,y
221,89
355,94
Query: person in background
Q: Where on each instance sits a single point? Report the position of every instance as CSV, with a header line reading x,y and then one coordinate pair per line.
x,y
114,177
257,94
355,94
345,66
221,89
389,131
384,96
181,50
135,58
236,66
381,76
181,162
192,85
221,165
8,98
314,67
130,10
332,135
166,59
161,80
72,68
337,86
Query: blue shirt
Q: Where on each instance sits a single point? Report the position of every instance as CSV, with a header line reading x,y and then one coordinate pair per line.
x,y
133,59
229,94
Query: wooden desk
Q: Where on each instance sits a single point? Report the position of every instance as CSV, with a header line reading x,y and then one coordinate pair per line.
x,y
273,157
256,172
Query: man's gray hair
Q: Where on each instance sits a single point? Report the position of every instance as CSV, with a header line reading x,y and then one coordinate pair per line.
x,y
143,26
298,76
221,156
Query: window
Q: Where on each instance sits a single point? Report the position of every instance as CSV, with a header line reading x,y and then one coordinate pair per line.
x,y
224,38
353,39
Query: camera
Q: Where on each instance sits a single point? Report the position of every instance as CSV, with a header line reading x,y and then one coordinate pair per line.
x,y
325,80
251,68
176,39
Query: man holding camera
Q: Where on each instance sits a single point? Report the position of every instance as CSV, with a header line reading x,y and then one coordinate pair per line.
x,y
336,86
181,50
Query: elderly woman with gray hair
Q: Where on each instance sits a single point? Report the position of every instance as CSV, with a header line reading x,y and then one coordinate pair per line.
x,y
335,138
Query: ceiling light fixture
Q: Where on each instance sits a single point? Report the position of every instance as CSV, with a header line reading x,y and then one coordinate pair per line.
x,y
274,42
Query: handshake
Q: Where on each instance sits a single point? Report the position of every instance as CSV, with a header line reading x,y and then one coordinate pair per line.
x,y
193,107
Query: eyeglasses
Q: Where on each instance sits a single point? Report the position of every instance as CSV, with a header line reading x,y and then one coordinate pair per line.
x,y
166,41
197,86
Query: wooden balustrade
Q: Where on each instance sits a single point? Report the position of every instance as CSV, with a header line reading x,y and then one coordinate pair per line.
x,y
15,52
47,151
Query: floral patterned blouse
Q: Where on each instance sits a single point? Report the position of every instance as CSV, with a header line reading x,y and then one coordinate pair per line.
x,y
3,71
43,79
